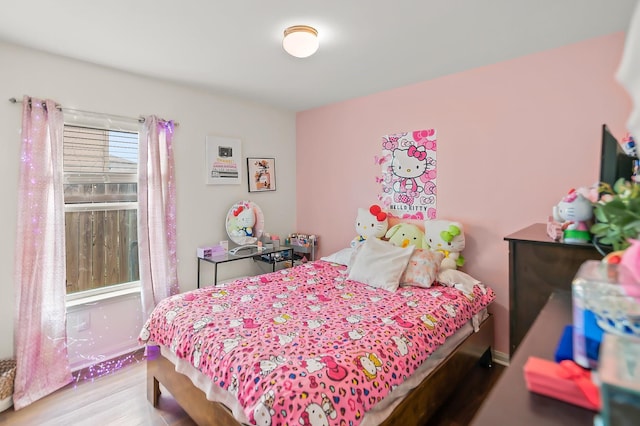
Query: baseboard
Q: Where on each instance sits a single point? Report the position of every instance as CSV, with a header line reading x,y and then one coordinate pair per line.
x,y
500,358
108,366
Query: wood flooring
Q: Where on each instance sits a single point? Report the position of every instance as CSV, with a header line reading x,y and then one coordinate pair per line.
x,y
103,397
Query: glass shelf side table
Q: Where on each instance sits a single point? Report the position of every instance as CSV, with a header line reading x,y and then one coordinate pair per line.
x,y
272,256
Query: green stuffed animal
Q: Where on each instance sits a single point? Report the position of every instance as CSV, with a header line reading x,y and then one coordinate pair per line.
x,y
404,234
446,236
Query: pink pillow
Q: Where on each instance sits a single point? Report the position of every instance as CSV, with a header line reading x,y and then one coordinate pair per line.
x,y
422,268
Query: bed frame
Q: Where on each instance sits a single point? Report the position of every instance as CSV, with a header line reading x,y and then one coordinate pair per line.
x,y
415,409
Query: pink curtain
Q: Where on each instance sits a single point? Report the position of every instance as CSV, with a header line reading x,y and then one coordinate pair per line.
x,y
156,213
40,317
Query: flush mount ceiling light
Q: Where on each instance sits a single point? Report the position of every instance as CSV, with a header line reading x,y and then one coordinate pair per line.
x,y
300,41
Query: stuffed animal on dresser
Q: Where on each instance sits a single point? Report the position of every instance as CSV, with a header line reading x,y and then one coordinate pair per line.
x,y
405,234
370,223
574,212
447,237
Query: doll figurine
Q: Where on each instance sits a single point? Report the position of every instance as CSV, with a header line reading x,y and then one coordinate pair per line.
x,y
574,212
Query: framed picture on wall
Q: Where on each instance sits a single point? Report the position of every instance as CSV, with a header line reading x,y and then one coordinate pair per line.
x,y
224,160
262,174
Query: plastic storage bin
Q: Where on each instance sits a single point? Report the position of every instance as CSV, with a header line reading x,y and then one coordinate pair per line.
x,y
304,246
600,306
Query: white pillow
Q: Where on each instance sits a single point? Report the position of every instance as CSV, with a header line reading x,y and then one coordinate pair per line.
x,y
341,257
380,264
457,279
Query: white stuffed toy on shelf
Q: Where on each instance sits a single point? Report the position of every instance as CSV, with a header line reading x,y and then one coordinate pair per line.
x,y
574,212
370,223
446,236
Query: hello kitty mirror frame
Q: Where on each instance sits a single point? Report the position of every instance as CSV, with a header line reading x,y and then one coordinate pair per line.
x,y
244,223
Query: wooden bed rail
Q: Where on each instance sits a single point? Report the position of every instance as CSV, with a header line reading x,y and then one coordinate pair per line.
x,y
189,397
418,406
431,393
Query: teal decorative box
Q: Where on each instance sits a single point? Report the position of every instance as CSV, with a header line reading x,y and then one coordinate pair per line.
x,y
619,374
600,305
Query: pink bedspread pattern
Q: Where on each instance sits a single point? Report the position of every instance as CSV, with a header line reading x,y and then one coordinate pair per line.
x,y
306,346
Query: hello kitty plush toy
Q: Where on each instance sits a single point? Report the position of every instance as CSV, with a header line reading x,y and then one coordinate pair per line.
x,y
245,219
370,223
447,237
574,212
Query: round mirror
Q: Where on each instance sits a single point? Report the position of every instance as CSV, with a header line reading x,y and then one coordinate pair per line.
x,y
245,223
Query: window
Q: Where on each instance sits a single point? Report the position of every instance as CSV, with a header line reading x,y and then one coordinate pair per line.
x,y
101,202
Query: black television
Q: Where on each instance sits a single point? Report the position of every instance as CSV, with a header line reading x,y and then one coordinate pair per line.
x,y
614,162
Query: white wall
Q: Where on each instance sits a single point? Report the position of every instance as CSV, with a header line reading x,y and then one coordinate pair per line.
x,y
201,209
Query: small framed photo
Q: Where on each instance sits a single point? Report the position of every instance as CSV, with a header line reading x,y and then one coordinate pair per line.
x,y
262,174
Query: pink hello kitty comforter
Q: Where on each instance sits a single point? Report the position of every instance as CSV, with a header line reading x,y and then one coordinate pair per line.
x,y
307,346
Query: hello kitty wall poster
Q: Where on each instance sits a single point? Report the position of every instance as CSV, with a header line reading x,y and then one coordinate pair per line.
x,y
408,178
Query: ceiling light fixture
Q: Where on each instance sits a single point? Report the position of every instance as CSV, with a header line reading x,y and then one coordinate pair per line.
x,y
300,41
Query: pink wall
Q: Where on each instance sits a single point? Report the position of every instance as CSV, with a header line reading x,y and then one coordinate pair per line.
x,y
513,138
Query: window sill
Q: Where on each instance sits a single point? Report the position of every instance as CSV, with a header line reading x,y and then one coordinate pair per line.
x,y
101,297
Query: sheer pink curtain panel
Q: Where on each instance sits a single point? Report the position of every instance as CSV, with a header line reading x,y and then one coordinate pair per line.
x,y
157,213
42,365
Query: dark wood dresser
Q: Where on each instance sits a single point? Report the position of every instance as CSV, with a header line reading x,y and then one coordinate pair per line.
x,y
538,266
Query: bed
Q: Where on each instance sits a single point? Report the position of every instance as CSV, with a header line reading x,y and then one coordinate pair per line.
x,y
309,346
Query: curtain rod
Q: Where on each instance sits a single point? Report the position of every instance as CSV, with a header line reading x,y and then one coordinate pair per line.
x,y
71,110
